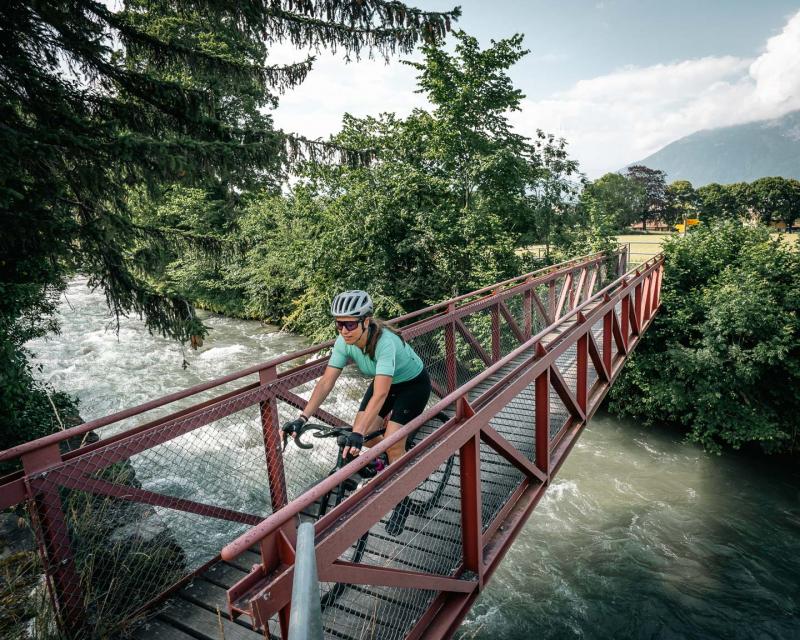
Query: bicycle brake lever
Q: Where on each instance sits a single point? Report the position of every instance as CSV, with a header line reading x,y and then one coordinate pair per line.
x,y
329,432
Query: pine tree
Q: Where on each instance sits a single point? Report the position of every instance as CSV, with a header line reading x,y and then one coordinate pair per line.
x,y
98,103
96,100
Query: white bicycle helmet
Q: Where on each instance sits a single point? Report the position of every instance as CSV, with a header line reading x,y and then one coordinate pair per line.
x,y
354,303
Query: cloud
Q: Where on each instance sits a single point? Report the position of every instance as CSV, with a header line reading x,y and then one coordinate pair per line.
x,y
609,121
333,88
621,117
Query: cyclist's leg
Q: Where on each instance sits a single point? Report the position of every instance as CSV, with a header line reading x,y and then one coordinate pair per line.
x,y
410,402
377,423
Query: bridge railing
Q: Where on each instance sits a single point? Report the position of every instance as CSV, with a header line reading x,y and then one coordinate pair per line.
x,y
123,520
424,582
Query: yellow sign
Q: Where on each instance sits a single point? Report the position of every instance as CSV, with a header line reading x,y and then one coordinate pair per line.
x,y
680,228
690,222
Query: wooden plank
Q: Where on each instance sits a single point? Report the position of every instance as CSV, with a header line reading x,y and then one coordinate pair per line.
x,y
156,629
246,561
224,574
206,594
203,624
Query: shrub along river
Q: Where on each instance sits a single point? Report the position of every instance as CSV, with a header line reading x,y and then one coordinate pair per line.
x,y
640,535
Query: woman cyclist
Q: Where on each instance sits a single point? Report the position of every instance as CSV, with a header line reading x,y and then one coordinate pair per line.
x,y
400,382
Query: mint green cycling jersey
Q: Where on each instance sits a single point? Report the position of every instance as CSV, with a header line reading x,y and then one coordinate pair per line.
x,y
393,357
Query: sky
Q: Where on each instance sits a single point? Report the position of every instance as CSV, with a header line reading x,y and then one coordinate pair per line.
x,y
618,79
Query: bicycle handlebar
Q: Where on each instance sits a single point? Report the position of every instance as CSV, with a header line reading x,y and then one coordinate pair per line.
x,y
324,431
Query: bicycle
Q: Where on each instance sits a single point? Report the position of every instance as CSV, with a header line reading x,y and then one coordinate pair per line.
x,y
413,507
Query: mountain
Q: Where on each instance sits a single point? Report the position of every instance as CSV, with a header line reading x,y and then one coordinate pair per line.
x,y
740,153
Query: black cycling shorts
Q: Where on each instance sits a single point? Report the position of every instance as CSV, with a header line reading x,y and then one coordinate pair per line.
x,y
406,400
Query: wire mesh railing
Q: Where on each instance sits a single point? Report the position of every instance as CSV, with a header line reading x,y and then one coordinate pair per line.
x,y
644,248
125,520
508,430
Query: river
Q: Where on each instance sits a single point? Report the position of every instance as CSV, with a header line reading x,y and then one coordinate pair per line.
x,y
640,536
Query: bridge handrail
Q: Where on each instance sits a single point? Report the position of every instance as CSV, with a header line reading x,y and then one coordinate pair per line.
x,y
278,519
239,425
82,429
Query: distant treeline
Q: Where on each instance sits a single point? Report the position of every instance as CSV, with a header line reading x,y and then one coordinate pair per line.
x,y
642,195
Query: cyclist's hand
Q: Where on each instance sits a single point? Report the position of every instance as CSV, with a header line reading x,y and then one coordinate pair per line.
x,y
352,445
292,429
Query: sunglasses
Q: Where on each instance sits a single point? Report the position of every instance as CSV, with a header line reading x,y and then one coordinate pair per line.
x,y
350,325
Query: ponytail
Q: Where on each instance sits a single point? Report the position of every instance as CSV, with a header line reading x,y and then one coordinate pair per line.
x,y
376,329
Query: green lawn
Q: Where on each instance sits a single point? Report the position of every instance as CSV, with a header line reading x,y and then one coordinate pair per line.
x,y
645,245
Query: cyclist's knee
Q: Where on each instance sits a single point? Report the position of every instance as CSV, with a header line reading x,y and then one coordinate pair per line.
x,y
399,448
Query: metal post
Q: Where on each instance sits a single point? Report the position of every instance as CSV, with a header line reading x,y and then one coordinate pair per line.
x,y
542,416
625,324
305,620
495,332
637,305
582,366
607,337
527,311
450,351
55,544
272,442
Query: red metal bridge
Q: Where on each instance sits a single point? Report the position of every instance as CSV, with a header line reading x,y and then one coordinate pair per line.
x,y
178,518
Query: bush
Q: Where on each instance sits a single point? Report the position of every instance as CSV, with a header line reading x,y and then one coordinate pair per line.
x,y
722,357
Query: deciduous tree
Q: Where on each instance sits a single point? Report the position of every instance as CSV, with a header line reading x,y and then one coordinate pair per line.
x,y
719,202
653,181
682,202
776,199
620,197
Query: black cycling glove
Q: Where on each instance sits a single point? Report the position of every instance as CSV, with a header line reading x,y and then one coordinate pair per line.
x,y
293,427
354,440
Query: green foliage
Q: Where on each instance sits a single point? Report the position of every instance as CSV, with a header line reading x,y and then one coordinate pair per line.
x,y
592,229
721,202
765,200
653,181
682,202
393,228
722,357
105,110
440,210
775,199
617,197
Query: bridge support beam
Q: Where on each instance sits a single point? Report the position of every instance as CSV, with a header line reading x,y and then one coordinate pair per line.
x,y
542,417
272,442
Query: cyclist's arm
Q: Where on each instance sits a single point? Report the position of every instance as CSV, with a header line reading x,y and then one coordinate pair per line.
x,y
321,391
380,389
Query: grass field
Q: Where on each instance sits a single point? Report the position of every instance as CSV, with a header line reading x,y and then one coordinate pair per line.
x,y
645,245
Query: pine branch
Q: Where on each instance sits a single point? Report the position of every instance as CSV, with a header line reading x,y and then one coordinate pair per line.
x,y
299,149
130,34
304,31
278,77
